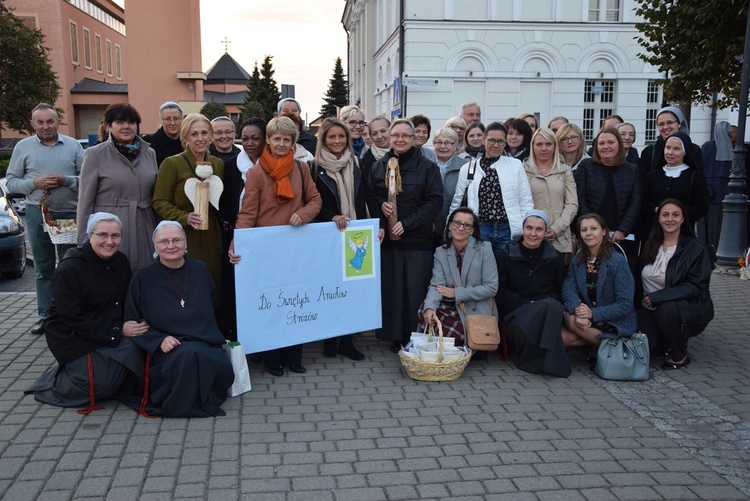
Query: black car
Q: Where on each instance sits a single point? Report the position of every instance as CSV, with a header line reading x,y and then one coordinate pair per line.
x,y
12,239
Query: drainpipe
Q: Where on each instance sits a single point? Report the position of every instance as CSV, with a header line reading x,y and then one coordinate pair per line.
x,y
401,58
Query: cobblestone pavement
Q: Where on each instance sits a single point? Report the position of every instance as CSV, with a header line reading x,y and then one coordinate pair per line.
x,y
363,430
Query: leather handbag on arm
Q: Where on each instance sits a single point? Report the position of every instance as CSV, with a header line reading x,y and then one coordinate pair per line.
x,y
482,331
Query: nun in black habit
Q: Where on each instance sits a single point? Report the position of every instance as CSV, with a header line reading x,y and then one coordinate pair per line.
x,y
187,371
530,277
85,331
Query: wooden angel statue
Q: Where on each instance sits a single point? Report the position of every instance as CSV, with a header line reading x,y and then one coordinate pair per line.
x,y
201,192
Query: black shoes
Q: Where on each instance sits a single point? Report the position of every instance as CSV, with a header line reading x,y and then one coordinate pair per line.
x,y
275,371
672,366
395,346
297,369
38,328
353,353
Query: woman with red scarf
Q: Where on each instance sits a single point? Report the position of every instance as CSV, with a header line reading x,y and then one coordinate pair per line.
x,y
278,190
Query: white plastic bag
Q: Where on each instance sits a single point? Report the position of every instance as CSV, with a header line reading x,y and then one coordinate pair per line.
x,y
241,372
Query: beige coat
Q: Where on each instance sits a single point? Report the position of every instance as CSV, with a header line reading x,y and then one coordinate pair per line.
x,y
555,193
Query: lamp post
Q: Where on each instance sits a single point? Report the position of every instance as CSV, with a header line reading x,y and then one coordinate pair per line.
x,y
733,239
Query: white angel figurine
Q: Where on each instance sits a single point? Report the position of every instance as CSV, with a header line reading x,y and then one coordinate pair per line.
x,y
200,193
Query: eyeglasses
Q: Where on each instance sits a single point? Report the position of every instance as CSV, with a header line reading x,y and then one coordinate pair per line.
x,y
402,136
172,120
357,123
229,132
458,224
443,143
666,124
458,128
496,142
169,241
570,139
107,236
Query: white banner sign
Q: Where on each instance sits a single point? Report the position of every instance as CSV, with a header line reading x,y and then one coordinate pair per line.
x,y
301,284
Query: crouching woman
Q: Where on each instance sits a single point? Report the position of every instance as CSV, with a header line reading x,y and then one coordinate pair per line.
x,y
531,273
85,331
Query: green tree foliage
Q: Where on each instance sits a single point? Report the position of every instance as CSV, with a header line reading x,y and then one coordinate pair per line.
x,y
697,44
338,91
26,76
262,92
213,110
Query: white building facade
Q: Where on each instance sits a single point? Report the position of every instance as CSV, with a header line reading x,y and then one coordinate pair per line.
x,y
575,58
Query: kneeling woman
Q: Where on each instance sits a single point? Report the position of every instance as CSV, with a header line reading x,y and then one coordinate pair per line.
x,y
188,371
598,291
676,301
464,271
531,273
85,331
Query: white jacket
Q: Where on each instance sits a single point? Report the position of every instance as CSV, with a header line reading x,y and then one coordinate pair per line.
x,y
514,186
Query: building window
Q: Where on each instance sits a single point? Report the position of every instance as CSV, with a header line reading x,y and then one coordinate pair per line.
x,y
118,63
653,98
73,42
108,56
98,53
604,11
86,48
599,103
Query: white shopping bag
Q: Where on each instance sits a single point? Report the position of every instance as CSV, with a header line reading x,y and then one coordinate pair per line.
x,y
241,372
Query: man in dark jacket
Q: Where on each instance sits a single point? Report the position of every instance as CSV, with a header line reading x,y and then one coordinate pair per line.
x,y
407,257
291,105
166,141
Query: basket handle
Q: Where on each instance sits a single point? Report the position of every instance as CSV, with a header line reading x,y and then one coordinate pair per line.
x,y
430,330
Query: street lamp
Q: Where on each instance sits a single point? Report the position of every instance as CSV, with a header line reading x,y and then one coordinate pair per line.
x,y
733,239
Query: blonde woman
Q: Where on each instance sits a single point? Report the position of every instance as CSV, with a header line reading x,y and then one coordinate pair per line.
x,y
572,145
552,188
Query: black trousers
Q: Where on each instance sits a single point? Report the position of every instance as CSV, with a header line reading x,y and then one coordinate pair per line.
x,y
665,329
289,355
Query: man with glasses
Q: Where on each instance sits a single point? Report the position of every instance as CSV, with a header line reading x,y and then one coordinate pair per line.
x,y
406,254
223,143
46,164
166,141
305,139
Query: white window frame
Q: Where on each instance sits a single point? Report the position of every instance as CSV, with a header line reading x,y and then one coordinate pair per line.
x,y
599,11
653,104
108,56
86,48
118,62
597,107
98,55
73,32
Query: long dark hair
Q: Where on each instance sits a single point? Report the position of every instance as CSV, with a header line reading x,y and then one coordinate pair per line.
x,y
607,248
448,237
656,237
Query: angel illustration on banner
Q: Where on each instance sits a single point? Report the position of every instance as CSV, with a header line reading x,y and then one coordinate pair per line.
x,y
359,248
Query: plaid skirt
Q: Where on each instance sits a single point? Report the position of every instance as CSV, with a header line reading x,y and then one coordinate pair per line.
x,y
447,313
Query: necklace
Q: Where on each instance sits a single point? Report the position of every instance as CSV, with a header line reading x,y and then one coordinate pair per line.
x,y
184,287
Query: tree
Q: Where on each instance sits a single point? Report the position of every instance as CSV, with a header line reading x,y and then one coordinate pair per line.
x,y
337,95
262,92
26,76
213,110
268,95
699,46
252,107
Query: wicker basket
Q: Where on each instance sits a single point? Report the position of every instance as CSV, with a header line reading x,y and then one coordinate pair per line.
x,y
422,370
61,231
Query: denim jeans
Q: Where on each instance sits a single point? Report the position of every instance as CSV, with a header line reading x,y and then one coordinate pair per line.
x,y
43,252
497,233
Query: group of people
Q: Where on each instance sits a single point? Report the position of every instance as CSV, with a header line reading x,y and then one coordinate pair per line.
x,y
482,219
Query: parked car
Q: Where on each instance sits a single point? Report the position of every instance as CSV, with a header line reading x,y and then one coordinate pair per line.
x,y
18,203
12,239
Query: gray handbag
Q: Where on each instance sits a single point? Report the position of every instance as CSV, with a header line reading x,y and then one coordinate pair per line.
x,y
623,358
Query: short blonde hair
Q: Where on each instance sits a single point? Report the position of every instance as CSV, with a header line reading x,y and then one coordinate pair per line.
x,y
351,111
445,132
188,121
455,121
282,125
565,129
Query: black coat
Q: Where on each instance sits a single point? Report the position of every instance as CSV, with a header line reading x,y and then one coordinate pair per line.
x,y
329,193
687,282
652,155
163,145
225,157
308,141
690,188
591,183
419,202
88,300
520,282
